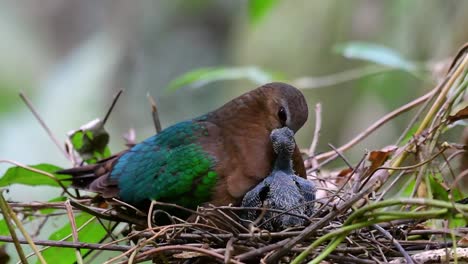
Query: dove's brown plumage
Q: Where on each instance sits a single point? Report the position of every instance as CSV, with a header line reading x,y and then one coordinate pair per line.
x,y
214,158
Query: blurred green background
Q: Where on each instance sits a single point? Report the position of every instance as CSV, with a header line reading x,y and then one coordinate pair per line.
x,y
70,57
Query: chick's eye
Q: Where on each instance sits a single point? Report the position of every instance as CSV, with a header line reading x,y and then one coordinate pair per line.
x,y
282,115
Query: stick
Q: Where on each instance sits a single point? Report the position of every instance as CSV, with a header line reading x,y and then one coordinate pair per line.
x,y
14,237
395,242
114,101
68,244
79,258
43,124
155,114
376,125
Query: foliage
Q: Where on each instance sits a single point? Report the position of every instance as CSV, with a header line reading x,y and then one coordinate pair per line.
x,y
43,174
91,141
91,232
425,195
259,8
203,76
375,53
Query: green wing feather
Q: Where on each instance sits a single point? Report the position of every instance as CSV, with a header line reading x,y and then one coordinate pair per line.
x,y
169,166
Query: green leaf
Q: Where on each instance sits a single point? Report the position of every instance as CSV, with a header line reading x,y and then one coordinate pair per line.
x,y
438,191
375,53
259,8
203,76
24,176
408,188
410,134
4,230
90,141
91,233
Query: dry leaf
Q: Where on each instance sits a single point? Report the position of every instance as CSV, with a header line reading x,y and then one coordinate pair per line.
x,y
343,176
462,114
463,242
378,157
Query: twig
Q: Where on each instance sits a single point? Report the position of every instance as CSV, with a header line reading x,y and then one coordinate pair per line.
x,y
229,250
437,104
349,225
344,259
445,255
312,228
14,237
23,231
207,252
395,243
43,124
35,205
378,245
330,199
341,155
66,237
71,218
409,167
109,111
376,125
141,245
150,215
138,211
260,251
68,244
318,126
442,95
155,114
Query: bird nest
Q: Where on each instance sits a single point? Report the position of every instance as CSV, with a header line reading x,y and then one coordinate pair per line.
x,y
395,205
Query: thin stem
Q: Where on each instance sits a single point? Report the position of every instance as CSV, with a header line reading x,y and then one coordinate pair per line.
x,y
318,125
395,242
43,124
68,244
377,124
114,101
435,107
14,237
155,114
71,218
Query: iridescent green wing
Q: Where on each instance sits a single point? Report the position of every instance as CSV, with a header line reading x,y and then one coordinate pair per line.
x,y
170,166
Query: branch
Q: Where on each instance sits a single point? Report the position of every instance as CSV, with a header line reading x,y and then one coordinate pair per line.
x,y
377,124
43,124
68,244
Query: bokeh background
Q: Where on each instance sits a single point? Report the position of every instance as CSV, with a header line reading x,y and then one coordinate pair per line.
x,y
70,58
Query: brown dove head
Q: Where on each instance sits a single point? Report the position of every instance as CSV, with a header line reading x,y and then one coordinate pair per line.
x,y
288,103
273,105
246,123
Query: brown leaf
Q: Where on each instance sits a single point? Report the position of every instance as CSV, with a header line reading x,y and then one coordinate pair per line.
x,y
345,172
460,53
463,242
343,175
378,157
462,114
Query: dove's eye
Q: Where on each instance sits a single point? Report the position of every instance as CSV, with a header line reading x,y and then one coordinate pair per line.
x,y
282,115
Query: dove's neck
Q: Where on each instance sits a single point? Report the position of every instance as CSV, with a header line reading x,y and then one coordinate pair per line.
x,y
284,163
